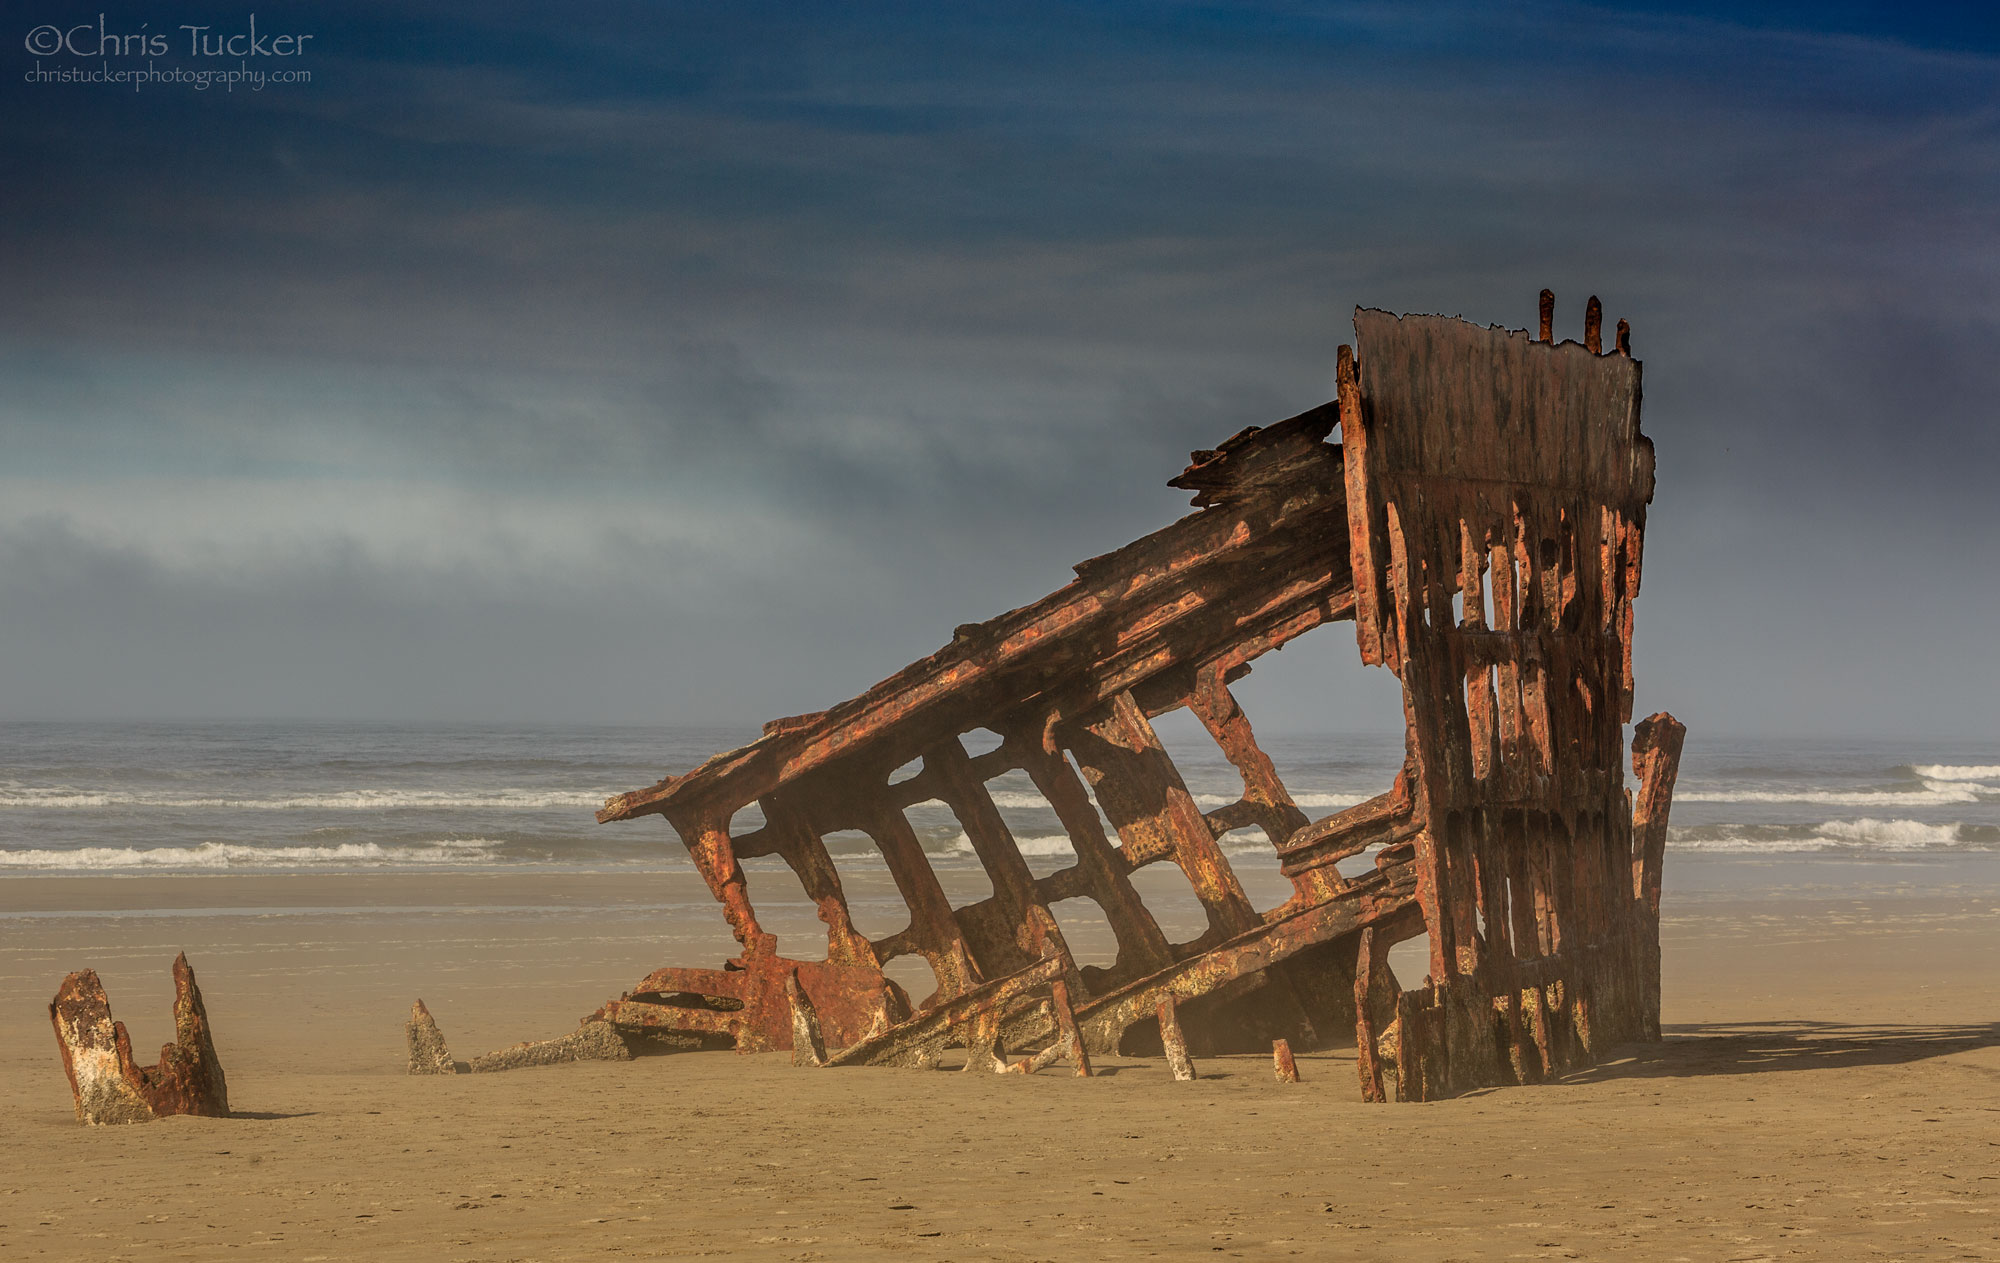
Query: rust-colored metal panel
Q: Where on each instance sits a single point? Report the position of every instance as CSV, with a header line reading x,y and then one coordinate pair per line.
x,y
1510,480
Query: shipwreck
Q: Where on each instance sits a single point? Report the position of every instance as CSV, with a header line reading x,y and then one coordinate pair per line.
x,y
1480,522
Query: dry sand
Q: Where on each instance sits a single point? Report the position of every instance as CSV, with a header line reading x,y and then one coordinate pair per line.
x,y
1830,1089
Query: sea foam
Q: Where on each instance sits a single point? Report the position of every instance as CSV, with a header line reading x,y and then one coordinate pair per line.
x,y
64,798
1053,844
1240,842
213,855
1890,835
1865,834
1933,794
1958,772
1212,801
1018,798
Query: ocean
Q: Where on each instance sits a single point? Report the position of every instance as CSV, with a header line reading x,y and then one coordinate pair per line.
x,y
130,798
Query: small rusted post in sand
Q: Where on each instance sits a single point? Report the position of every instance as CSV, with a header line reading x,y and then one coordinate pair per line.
x,y
428,1053
1282,1065
1067,1036
808,1045
107,1085
1174,1043
1069,1041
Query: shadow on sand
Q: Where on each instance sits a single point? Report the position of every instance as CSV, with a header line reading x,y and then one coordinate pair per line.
x,y
1764,1047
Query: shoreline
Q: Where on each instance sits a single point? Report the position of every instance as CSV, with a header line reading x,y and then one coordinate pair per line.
x,y
1689,876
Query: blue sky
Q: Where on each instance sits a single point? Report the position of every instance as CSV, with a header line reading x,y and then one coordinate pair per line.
x,y
710,362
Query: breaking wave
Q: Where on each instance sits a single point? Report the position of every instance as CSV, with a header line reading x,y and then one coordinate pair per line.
x,y
1054,844
1891,835
1058,845
1213,801
1019,798
345,800
1933,794
1866,835
1958,772
214,855
1735,845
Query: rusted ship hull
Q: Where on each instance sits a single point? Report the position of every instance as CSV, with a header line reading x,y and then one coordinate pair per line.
x,y
1481,523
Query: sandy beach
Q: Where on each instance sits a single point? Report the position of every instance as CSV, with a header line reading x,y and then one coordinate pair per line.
x,y
1829,1089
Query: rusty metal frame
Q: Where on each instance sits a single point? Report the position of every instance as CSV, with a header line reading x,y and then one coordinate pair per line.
x,y
1480,470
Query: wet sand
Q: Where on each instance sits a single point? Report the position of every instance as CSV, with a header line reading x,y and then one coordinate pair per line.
x,y
1830,1089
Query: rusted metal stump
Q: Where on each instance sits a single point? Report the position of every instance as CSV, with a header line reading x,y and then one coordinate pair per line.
x,y
105,1082
808,1045
427,1049
1283,1065
594,1039
1174,1042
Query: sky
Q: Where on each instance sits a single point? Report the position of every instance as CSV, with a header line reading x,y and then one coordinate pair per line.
x,y
700,363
